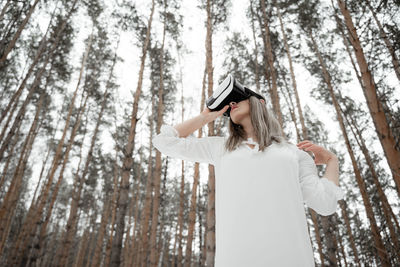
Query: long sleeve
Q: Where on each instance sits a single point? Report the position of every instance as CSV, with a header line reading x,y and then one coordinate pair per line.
x,y
320,194
206,149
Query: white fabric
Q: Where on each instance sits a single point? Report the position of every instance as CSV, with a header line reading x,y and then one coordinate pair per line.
x,y
260,216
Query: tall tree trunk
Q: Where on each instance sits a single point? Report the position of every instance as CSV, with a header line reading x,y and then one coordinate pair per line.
x,y
341,245
11,45
24,231
193,200
181,215
382,127
5,140
128,157
108,208
76,195
174,249
200,229
145,219
125,252
10,200
42,45
257,72
72,220
107,257
361,183
289,103
157,172
179,227
270,57
54,166
302,123
50,257
203,237
294,84
82,248
9,159
38,249
4,9
387,209
343,205
92,243
395,60
359,138
165,260
161,235
350,232
210,232
131,252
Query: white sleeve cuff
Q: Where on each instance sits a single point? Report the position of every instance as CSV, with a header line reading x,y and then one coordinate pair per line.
x,y
169,130
338,192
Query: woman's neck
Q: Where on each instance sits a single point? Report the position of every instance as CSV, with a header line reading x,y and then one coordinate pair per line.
x,y
249,130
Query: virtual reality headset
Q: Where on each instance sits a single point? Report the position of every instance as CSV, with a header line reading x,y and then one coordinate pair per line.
x,y
229,90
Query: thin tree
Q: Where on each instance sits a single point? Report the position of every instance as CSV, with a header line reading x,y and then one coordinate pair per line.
x,y
128,156
360,181
389,46
270,63
11,45
294,84
376,109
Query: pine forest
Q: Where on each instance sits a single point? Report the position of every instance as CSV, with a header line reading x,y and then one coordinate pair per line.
x,y
85,85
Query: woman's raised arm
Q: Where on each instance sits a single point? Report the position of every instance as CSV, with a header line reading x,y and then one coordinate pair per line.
x,y
206,116
175,142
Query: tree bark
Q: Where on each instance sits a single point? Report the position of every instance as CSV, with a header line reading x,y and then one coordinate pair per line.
x,y
4,9
193,200
389,46
157,171
210,231
360,181
14,99
270,60
377,112
11,45
145,220
54,166
10,200
387,209
37,255
128,159
257,73
294,84
107,257
130,255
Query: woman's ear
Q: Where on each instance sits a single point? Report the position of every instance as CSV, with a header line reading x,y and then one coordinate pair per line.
x,y
262,101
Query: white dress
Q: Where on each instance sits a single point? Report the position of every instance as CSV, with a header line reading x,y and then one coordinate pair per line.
x,y
259,196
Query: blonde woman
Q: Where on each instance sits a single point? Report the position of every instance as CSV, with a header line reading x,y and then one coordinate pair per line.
x,y
262,181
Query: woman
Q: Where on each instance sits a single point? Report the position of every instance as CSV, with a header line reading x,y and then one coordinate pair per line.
x,y
262,182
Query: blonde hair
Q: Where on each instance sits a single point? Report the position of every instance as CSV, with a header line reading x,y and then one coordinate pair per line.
x,y
266,127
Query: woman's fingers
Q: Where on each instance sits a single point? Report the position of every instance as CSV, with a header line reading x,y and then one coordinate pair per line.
x,y
304,142
223,109
309,148
306,146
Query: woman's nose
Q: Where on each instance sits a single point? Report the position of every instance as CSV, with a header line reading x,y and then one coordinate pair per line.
x,y
232,103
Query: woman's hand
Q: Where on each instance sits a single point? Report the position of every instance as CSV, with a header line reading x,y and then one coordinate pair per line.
x,y
212,115
322,156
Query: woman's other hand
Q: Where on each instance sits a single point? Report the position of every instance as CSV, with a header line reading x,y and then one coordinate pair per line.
x,y
212,115
322,156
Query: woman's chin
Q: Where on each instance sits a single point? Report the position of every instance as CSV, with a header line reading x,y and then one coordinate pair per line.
x,y
234,121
